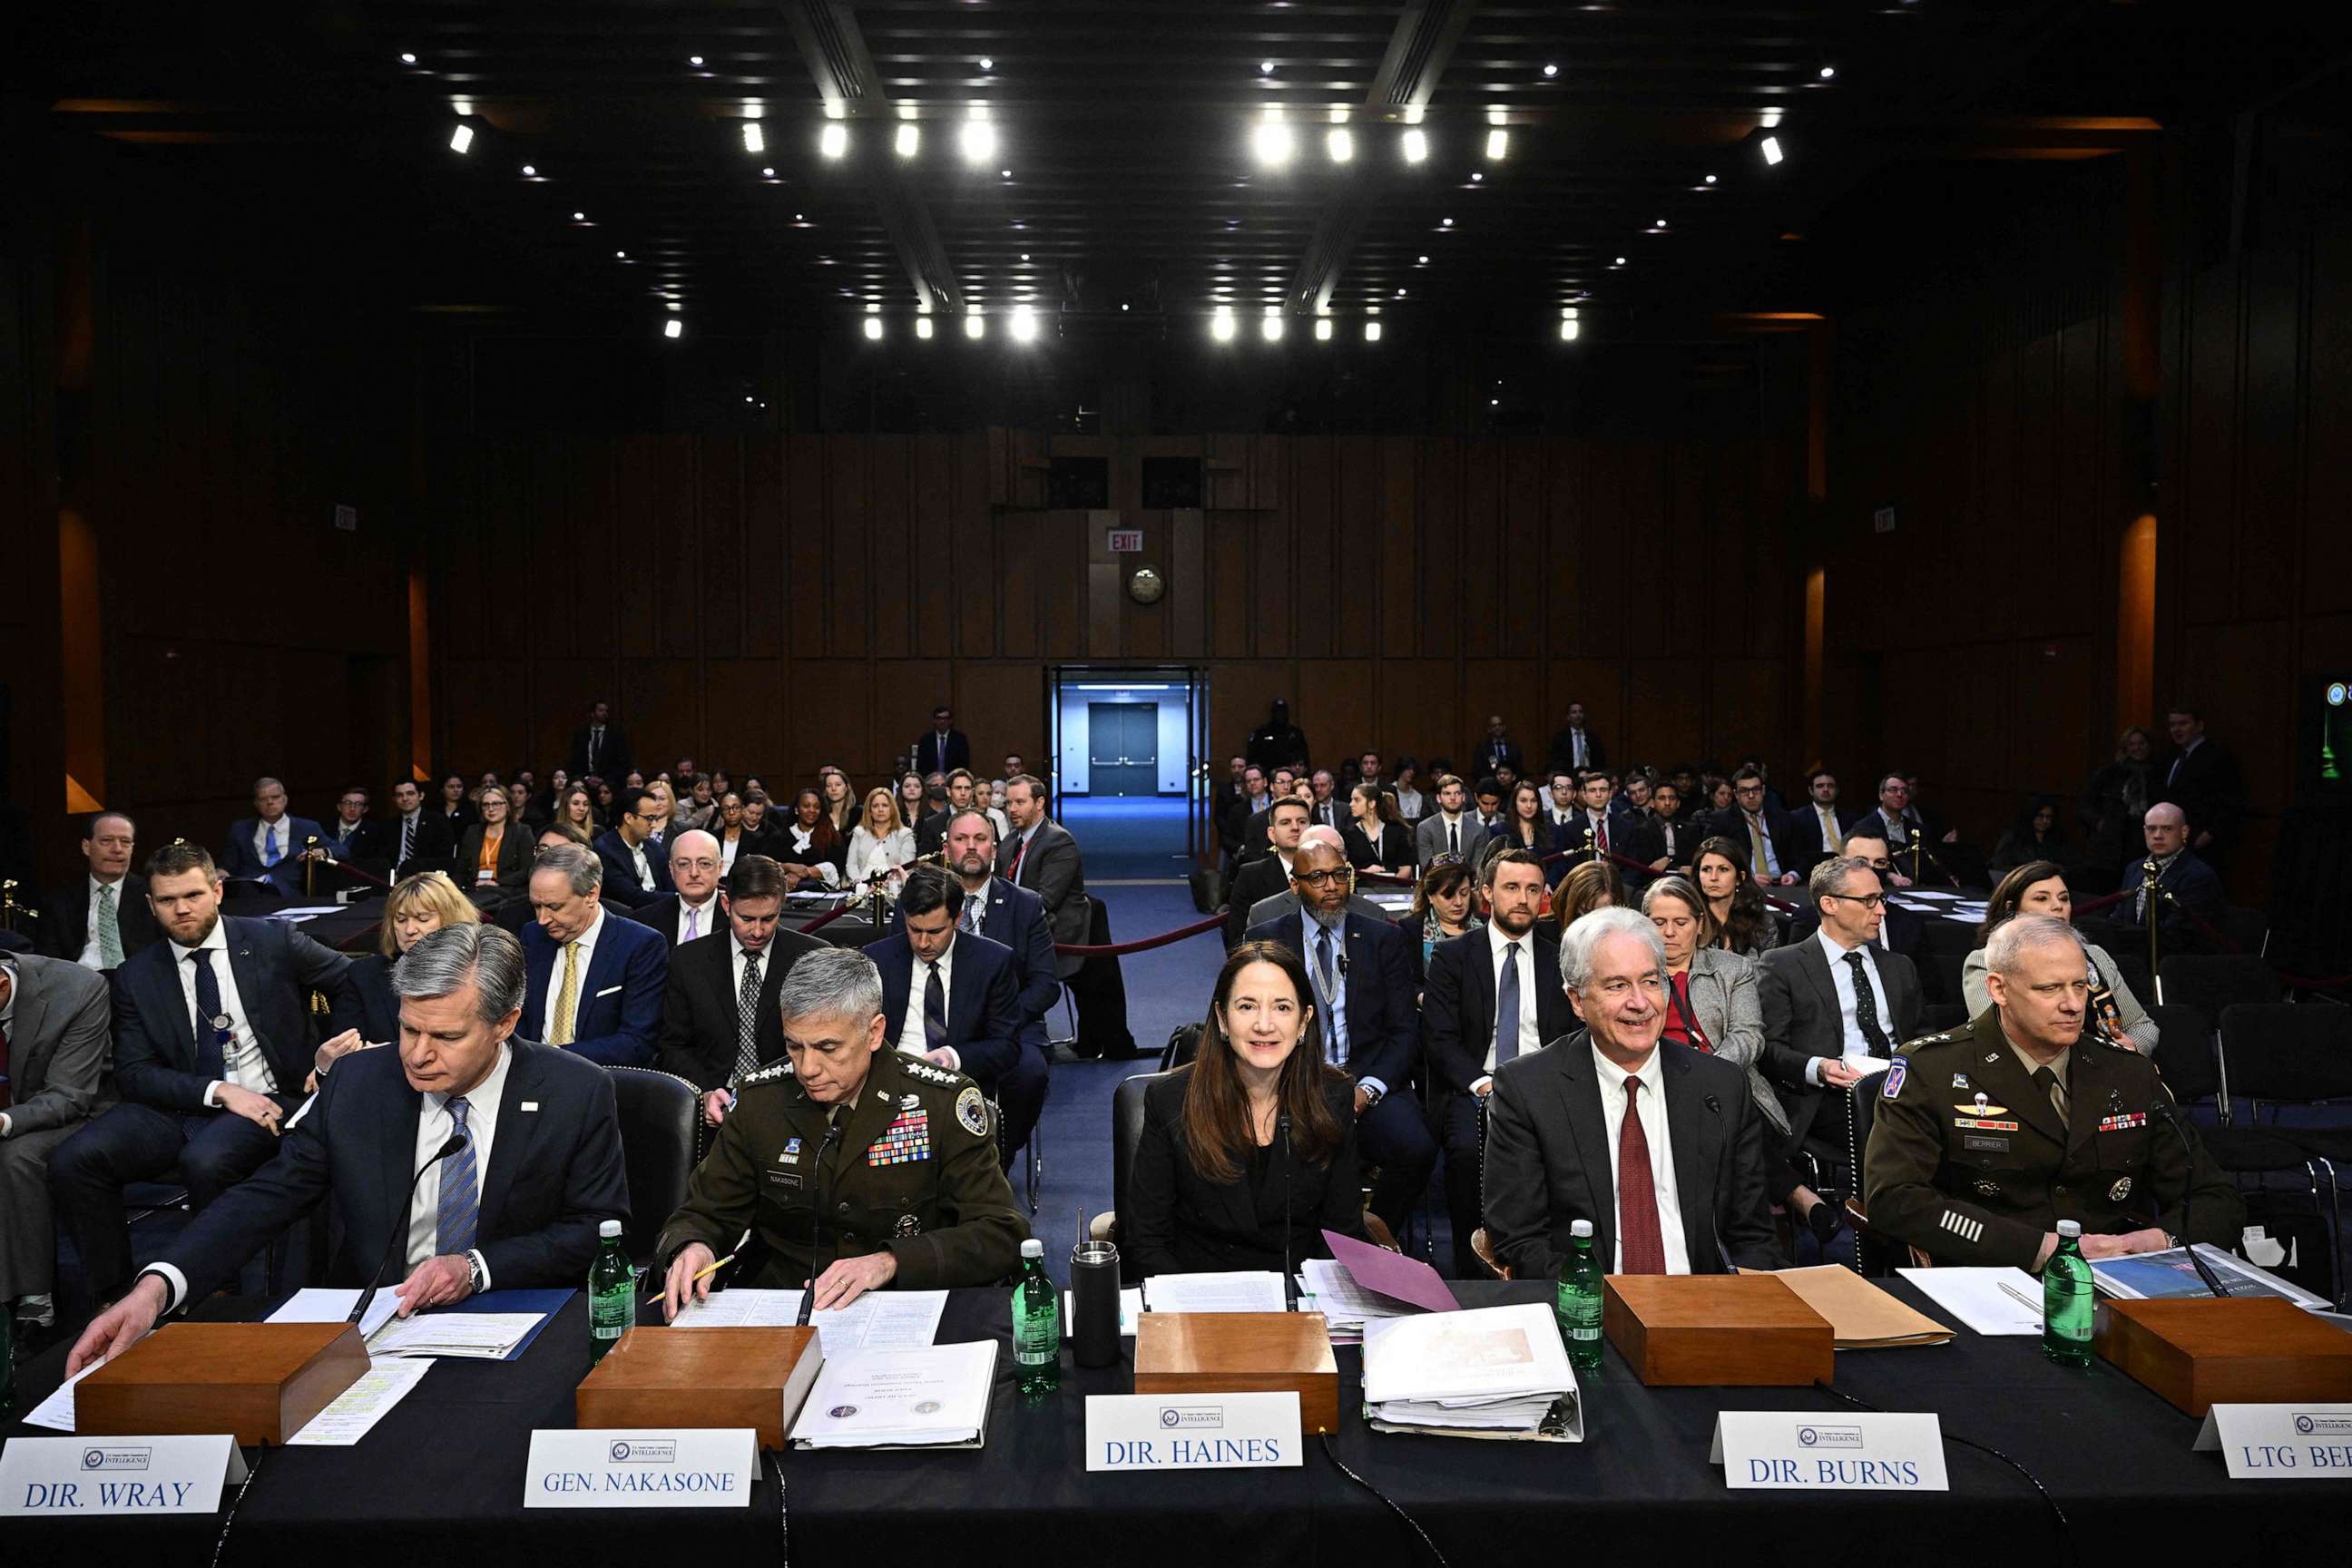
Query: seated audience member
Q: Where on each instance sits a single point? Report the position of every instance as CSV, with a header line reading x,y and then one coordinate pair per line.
x,y
1590,830
762,821
1324,807
2115,799
1404,783
1889,819
1249,1152
838,1120
575,816
530,809
1265,876
1041,856
1280,786
1594,885
1444,906
416,907
1715,798
456,809
697,808
807,847
881,845
212,1042
460,1073
691,910
950,997
1773,849
734,839
1665,1111
719,1023
2035,836
101,917
2187,889
1932,1180
596,979
1285,906
913,792
1737,917
1015,918
1560,804
963,794
1360,970
497,852
1901,931
1448,830
1711,1002
1525,825
1633,800
635,869
661,829
841,803
1237,807
351,836
268,846
1657,836
1488,997
1375,836
1487,793
2039,888
415,833
53,1048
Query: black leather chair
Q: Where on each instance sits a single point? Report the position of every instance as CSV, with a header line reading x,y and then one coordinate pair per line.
x,y
2210,981
2294,1054
658,1118
1126,1137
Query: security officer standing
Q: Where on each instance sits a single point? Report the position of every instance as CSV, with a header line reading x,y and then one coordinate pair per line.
x,y
1986,1137
900,1153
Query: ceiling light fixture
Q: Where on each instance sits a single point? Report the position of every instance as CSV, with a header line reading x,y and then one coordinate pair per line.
x,y
873,328
1272,140
768,172
923,328
1772,154
1710,179
977,140
1024,324
1828,71
1265,68
1498,142
1271,328
986,64
673,327
1446,222
1371,331
1221,324
1475,178
755,141
1569,324
1322,328
461,138
1340,143
908,141
975,326
528,173
1415,143
834,140
407,59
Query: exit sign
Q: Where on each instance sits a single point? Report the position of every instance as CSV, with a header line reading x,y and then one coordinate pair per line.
x,y
1883,520
1126,541
347,519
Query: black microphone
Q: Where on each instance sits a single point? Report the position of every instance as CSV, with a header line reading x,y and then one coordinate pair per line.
x,y
455,1142
2170,1114
1289,1284
1714,1109
808,1297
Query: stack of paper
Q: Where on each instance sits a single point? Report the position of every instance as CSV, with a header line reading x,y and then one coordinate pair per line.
x,y
928,1397
2170,1273
1362,1282
1494,1372
472,1331
1345,1305
874,1320
1240,1291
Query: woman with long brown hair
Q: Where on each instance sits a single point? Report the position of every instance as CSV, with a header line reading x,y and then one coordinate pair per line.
x,y
1736,916
1248,1152
2039,888
881,844
1590,884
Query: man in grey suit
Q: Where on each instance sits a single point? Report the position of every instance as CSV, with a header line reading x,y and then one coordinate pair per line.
x,y
1041,856
1831,1000
55,1049
1656,1143
1448,830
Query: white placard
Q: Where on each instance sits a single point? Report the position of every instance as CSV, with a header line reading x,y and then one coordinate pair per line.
x,y
64,1478
1194,1431
2280,1442
642,1466
1804,1451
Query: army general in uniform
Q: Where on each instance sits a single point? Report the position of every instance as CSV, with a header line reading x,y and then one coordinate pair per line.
x,y
1986,1137
900,1152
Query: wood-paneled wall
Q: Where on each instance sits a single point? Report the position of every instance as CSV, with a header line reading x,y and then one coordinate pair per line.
x,y
777,602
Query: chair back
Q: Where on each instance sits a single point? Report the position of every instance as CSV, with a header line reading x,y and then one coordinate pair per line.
x,y
1126,1137
2210,981
2248,929
2131,968
1183,1044
1939,976
2288,1052
658,1115
2184,1054
1935,1017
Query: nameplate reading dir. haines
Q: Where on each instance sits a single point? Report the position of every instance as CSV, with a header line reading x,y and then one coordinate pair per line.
x,y
1192,1431
1805,1450
615,1467
69,1478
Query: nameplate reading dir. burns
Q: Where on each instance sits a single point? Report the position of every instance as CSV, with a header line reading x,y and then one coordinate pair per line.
x,y
1806,1450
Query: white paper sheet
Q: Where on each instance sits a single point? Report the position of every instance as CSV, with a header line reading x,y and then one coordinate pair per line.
x,y
1988,1300
335,1306
1130,1307
56,1412
473,1336
876,1319
894,1397
1241,1292
358,1408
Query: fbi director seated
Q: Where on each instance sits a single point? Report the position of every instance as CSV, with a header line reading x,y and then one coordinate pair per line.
x,y
518,1146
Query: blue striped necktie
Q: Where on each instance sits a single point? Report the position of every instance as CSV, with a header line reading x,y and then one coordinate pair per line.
x,y
461,1200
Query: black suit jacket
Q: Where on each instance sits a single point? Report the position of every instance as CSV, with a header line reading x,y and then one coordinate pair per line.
x,y
613,762
1562,757
378,1003
665,912
1258,879
65,919
1495,755
1383,1028
367,841
517,847
1645,840
2208,785
2193,886
1176,1220
1015,918
1548,1161
555,1173
1802,1019
1393,850
1457,1006
277,968
938,755
931,832
1903,929
983,1003
700,1020
1791,845
621,884
432,840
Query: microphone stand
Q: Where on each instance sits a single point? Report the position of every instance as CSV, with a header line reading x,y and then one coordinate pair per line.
x,y
808,1296
2151,892
1919,848
1289,1284
450,1145
2170,1114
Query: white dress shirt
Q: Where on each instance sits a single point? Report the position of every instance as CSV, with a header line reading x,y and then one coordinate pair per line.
x,y
248,1068
1309,931
1451,827
1578,751
90,956
642,866
704,915
1530,1034
434,1125
1842,975
8,1022
911,1039
587,941
1653,1099
283,830
803,847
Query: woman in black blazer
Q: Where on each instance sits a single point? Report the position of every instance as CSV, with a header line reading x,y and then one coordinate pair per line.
x,y
505,867
1215,1184
418,904
1375,838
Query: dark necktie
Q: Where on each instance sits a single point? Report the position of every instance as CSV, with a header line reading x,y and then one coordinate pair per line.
x,y
458,1215
1324,1002
1453,840
212,1060
974,905
1865,1009
1641,1250
746,1017
935,1011
1506,1007
408,837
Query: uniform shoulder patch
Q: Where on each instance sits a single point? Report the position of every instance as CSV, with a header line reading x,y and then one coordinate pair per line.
x,y
776,1071
1894,1076
972,1111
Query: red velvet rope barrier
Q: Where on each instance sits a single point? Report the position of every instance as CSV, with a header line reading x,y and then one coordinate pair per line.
x,y
1119,949
829,916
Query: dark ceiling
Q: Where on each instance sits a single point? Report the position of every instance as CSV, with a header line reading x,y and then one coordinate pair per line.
x,y
1124,186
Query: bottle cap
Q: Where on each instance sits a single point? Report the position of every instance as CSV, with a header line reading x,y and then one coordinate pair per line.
x,y
1033,1248
610,1229
1581,1229
2069,1229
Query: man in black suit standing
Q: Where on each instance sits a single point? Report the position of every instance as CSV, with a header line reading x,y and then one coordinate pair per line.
x,y
212,1044
1658,1145
1490,996
1498,752
101,918
2204,780
1361,970
414,834
599,748
1042,856
351,836
942,748
519,1146
53,1050
719,1011
1575,748
1832,1001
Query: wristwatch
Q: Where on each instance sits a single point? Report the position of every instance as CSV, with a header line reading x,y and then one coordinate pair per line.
x,y
476,1282
1373,1096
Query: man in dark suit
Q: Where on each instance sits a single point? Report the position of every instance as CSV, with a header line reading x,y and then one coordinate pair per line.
x,y
212,1044
416,838
1820,830
948,996
351,836
2188,889
942,748
931,832
1832,1001
1489,997
635,869
1901,931
1327,809
595,980
1042,856
53,1050
691,910
1658,837
1260,878
1361,970
1257,826
599,748
1498,752
535,1170
100,917
1574,747
1014,917
268,846
2204,780
1658,1145
1231,808
719,1009
1774,846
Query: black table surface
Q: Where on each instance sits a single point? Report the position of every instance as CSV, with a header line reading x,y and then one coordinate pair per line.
x,y
448,1465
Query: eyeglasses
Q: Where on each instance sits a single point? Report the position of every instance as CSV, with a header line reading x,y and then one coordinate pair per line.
x,y
1867,900
1320,879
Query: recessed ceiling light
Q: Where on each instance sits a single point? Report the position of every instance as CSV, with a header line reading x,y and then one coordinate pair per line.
x,y
529,172
1552,69
873,329
1024,324
1340,143
975,326
1273,143
407,59
908,141
1323,329
977,139
1415,144
1420,261
1024,256
620,255
461,138
695,60
923,328
579,218
1771,146
834,140
1475,178
768,173
1265,68
673,327
1446,222
1828,71
986,64
1371,331
1498,142
1710,179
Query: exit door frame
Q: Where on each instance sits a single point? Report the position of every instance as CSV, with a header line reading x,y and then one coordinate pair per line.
x,y
1198,834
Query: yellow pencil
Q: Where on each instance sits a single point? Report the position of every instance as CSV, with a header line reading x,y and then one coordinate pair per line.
x,y
714,1268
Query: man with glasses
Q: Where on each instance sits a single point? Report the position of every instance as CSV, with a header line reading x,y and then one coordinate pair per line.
x,y
1901,931
1776,854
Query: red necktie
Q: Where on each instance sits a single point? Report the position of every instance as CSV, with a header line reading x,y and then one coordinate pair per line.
x,y
1012,871
1604,835
1641,1250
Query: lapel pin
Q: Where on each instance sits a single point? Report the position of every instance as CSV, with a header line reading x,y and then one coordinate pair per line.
x,y
530,1105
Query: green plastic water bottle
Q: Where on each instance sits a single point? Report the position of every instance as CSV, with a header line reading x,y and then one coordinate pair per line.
x,y
1036,1325
611,1292
1579,1307
2066,1299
